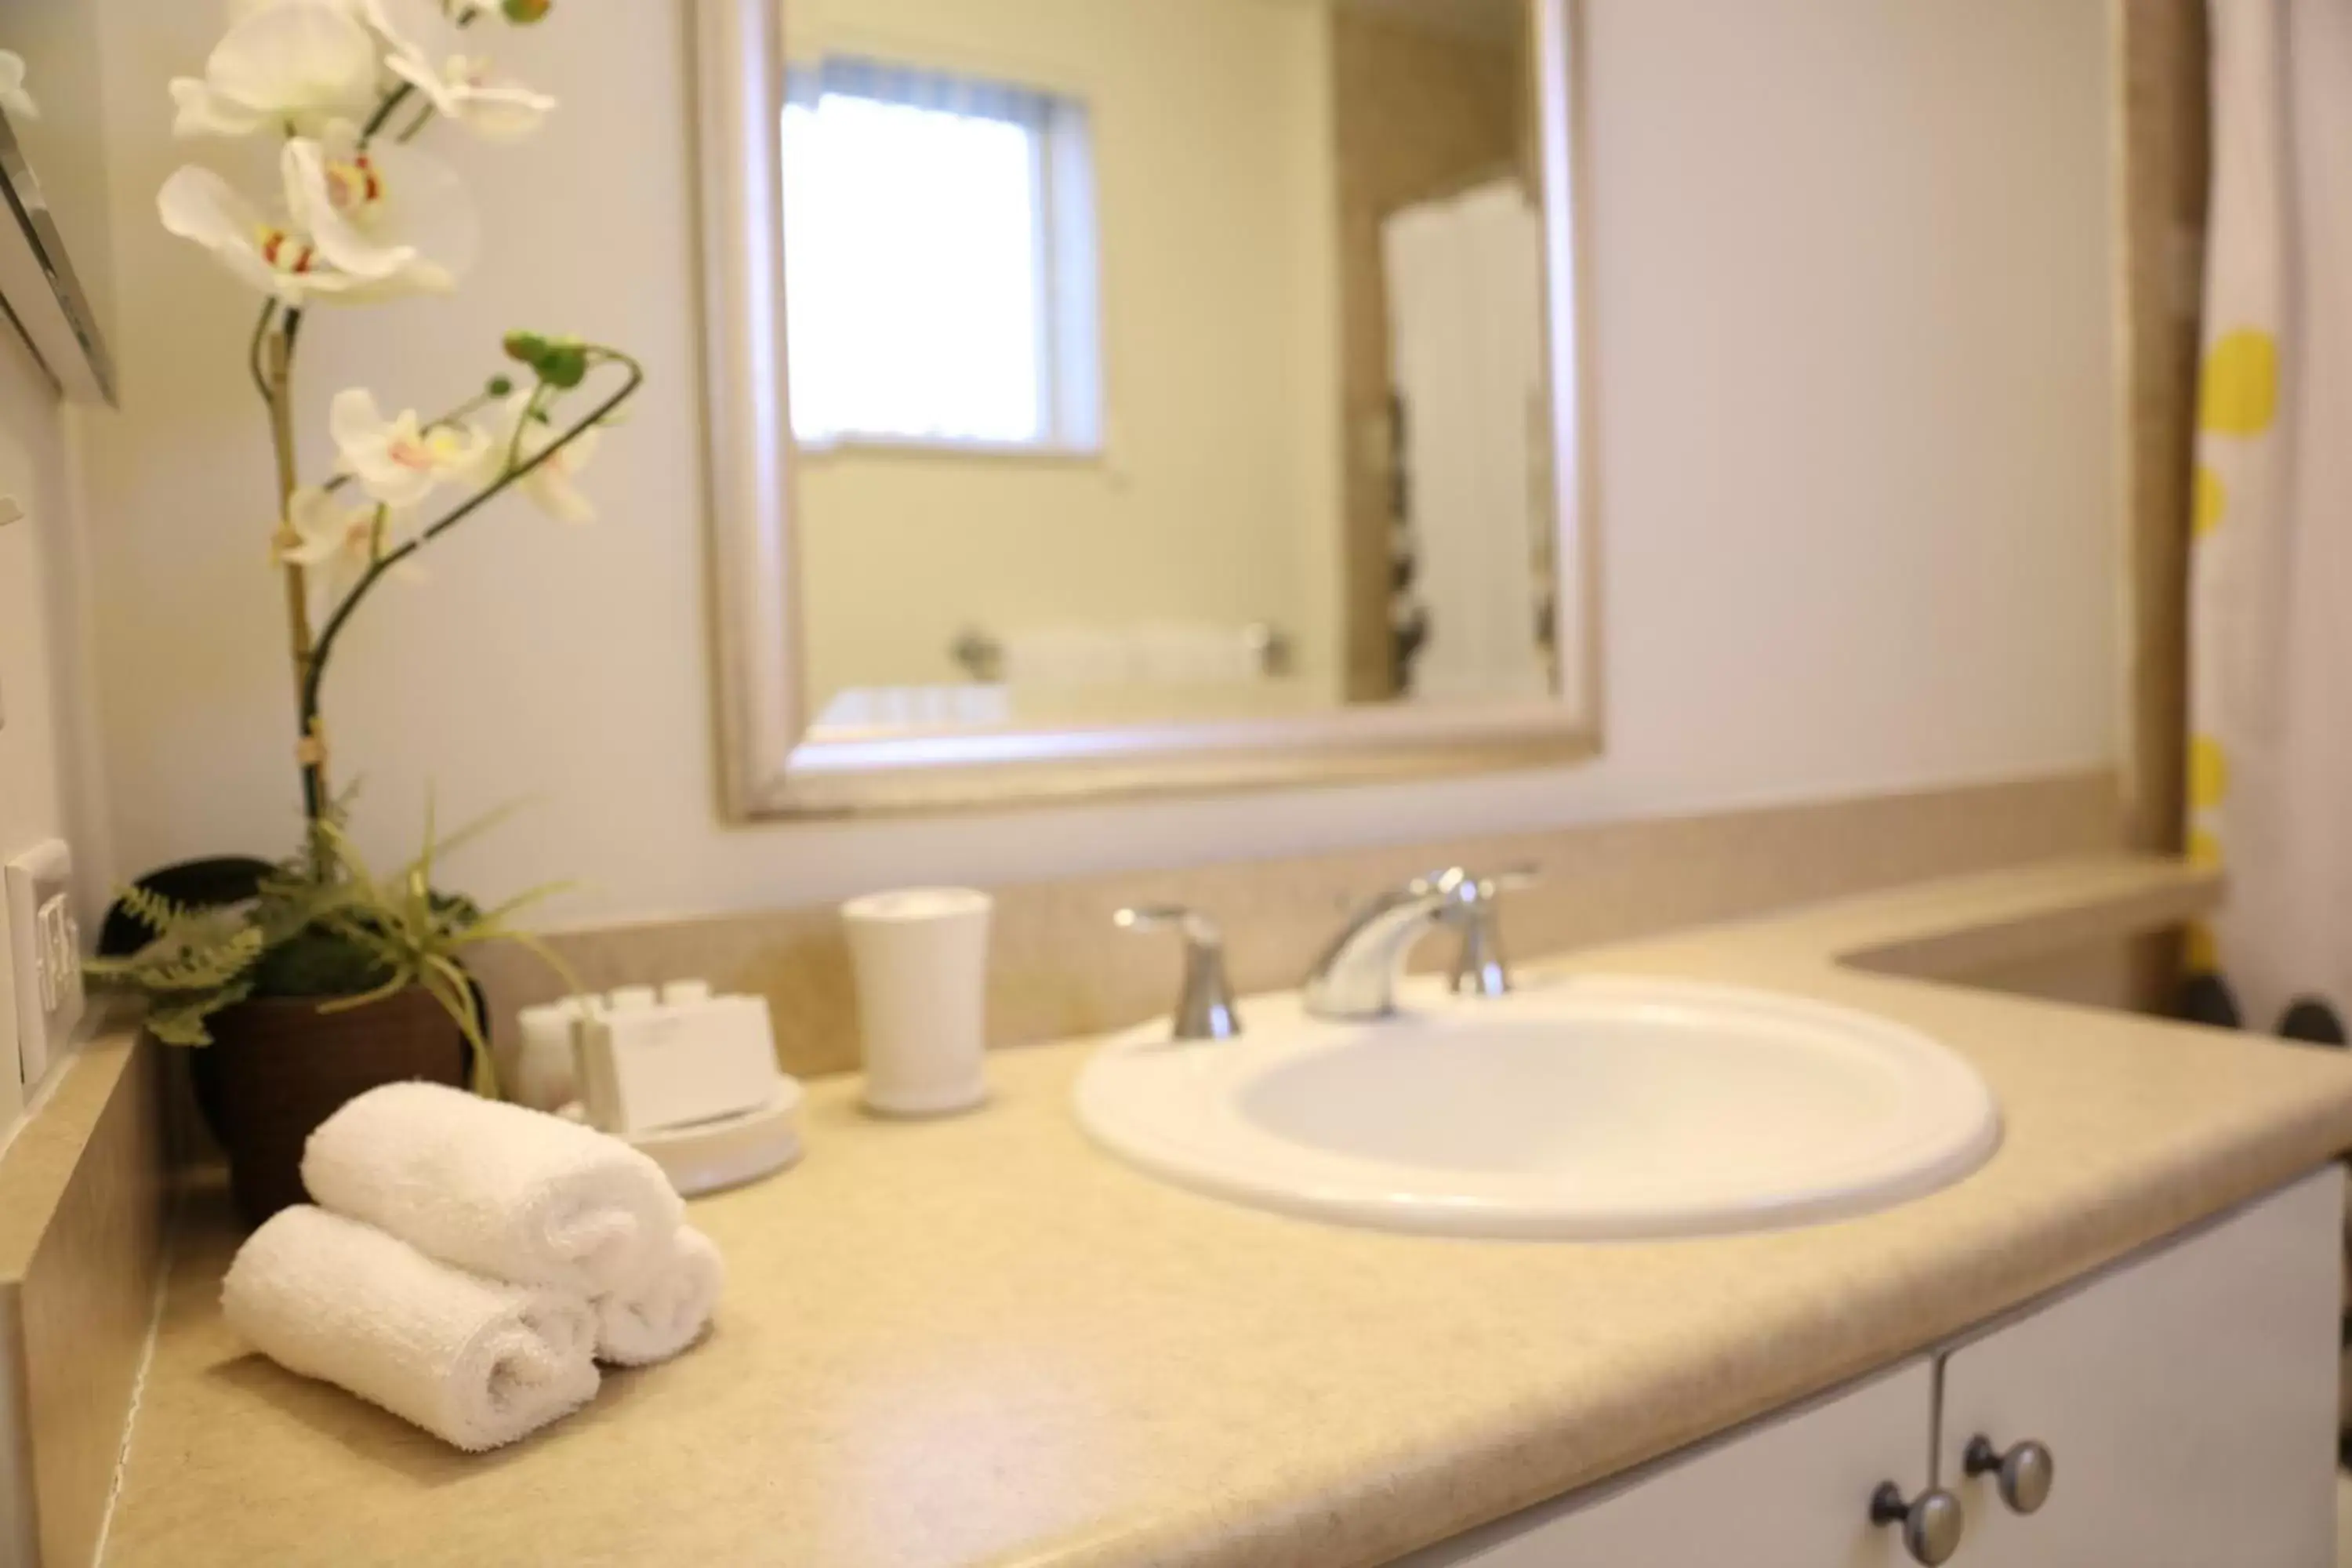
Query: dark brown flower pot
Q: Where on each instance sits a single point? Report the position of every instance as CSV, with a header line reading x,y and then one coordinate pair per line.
x,y
277,1069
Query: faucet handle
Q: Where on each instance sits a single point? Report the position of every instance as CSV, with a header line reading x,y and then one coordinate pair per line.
x,y
1200,930
1204,1007
1480,968
1510,880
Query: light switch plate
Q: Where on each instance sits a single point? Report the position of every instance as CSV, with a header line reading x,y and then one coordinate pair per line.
x,y
45,957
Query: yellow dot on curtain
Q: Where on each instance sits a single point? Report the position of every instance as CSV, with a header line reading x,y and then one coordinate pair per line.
x,y
2204,850
2211,502
2200,953
2241,391
2208,774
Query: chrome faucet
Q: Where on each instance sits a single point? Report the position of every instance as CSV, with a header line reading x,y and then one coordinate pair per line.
x,y
1480,969
1204,1008
1356,979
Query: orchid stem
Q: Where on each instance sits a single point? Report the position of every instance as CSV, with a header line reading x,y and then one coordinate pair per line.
x,y
276,350
332,632
252,351
384,110
522,427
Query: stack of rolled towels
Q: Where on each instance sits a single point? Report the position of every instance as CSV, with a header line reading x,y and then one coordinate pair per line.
x,y
468,1264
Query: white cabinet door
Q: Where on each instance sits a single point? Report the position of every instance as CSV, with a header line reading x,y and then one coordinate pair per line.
x,y
1792,1491
2188,1401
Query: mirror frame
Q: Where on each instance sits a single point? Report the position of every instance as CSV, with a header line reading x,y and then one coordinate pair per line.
x,y
41,295
771,769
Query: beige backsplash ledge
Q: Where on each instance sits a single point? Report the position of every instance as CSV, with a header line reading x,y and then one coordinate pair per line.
x,y
82,1198
1059,969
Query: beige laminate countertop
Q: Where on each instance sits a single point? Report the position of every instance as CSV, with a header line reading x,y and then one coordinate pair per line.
x,y
979,1341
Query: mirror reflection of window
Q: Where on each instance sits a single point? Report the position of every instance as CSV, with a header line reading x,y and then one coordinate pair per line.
x,y
939,236
1291,253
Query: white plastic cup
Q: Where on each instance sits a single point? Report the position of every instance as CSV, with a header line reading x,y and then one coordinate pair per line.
x,y
922,956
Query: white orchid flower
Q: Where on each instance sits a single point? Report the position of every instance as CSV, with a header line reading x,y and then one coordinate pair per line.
x,y
341,540
271,254
399,461
550,486
328,530
285,63
198,205
382,213
519,431
17,103
427,52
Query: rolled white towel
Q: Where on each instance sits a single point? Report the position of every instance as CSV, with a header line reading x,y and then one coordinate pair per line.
x,y
476,1362
502,1191
668,1311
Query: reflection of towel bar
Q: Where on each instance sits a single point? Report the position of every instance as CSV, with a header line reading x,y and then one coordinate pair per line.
x,y
981,656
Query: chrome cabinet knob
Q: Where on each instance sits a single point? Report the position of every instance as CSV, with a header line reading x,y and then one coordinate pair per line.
x,y
1931,1522
2024,1473
1204,1008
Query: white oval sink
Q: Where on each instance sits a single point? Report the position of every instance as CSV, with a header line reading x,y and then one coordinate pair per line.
x,y
1588,1108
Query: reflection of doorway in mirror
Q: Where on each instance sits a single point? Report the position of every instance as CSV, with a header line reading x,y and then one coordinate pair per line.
x,y
1430,99
1464,275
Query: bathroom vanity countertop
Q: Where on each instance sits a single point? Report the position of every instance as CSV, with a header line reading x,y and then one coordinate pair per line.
x,y
982,1341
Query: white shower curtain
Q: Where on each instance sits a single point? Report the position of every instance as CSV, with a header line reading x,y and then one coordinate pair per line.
x,y
1466,304
2271,576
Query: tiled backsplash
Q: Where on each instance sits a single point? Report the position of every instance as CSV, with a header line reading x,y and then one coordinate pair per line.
x,y
1059,969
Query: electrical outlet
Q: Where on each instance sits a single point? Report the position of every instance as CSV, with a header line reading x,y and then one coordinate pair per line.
x,y
45,955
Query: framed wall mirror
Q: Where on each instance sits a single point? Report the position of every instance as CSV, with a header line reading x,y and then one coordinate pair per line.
x,y
1171,394
55,289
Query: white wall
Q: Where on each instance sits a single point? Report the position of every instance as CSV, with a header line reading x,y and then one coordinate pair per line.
x,y
1211,139
48,783
1853,391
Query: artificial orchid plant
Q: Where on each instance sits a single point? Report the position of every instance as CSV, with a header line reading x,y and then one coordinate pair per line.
x,y
362,215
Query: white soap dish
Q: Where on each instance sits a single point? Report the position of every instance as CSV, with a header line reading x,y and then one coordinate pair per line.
x,y
711,1156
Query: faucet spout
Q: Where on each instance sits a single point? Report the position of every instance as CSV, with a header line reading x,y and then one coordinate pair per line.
x,y
1356,979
